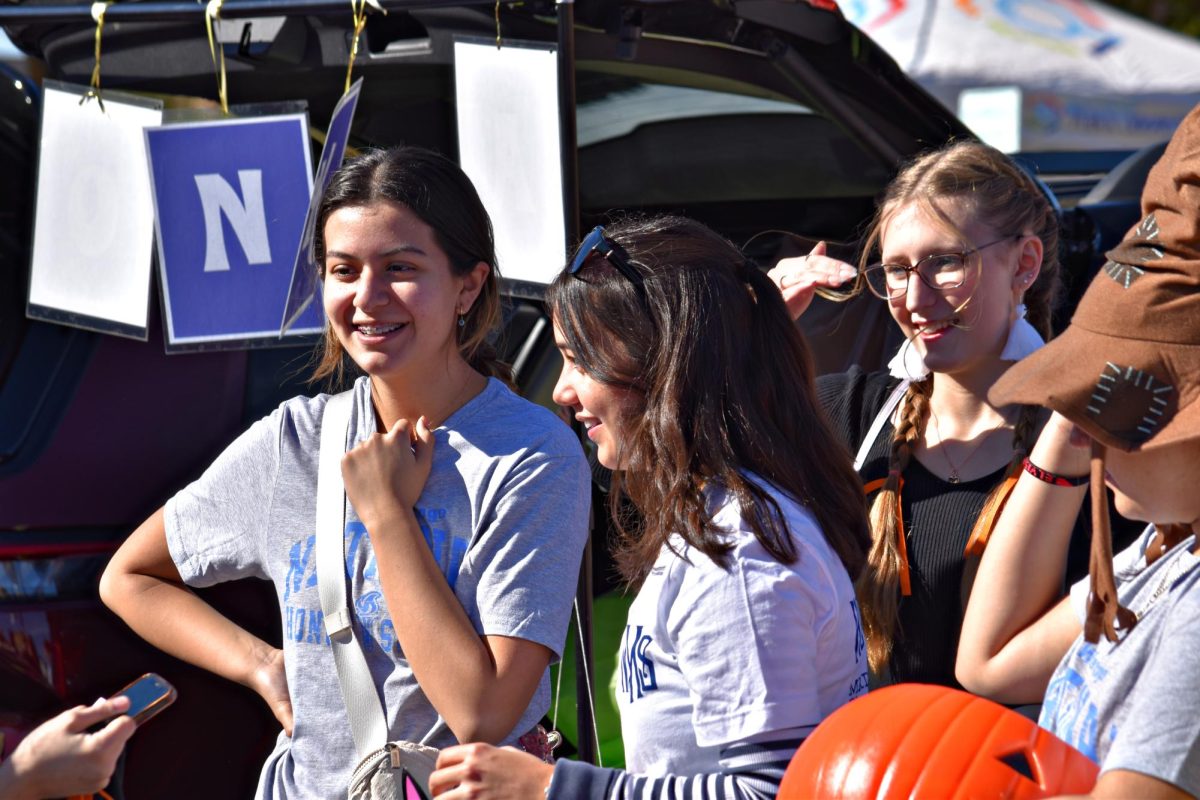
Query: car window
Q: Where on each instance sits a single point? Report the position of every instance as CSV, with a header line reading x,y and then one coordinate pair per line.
x,y
740,162
18,125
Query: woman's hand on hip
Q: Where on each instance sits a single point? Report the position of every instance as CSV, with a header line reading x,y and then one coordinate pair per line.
x,y
799,278
484,772
388,469
269,679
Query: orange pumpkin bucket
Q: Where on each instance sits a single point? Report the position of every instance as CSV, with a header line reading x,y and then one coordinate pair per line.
x,y
919,741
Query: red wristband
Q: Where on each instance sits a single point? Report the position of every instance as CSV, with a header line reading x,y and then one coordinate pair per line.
x,y
1055,480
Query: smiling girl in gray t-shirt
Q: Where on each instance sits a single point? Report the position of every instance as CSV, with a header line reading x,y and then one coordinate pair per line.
x,y
468,505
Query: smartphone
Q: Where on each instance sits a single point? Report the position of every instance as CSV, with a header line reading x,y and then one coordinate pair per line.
x,y
148,695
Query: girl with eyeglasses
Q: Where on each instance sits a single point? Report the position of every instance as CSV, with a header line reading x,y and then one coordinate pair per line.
x,y
467,511
967,252
697,390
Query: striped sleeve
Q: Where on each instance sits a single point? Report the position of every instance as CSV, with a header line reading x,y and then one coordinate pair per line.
x,y
750,770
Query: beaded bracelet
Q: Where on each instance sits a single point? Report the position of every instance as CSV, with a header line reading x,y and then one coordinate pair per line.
x,y
1054,480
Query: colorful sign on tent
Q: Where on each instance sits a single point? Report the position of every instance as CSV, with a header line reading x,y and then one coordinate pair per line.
x,y
1090,76
230,198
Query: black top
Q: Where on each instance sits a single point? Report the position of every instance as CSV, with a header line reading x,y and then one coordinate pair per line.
x,y
938,518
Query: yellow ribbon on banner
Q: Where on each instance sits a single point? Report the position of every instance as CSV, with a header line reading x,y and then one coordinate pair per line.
x,y
212,14
358,8
320,137
98,10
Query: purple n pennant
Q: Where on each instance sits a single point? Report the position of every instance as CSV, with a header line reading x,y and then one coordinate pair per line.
x,y
304,288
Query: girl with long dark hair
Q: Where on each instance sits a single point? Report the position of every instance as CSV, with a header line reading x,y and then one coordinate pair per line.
x,y
697,391
467,508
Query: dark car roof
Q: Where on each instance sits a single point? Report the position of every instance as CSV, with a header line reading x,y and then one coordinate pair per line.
x,y
835,118
766,114
791,50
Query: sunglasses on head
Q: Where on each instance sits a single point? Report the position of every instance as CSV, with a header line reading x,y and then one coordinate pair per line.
x,y
598,242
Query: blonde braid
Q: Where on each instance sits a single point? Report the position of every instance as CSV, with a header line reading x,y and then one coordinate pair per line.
x,y
878,586
1025,431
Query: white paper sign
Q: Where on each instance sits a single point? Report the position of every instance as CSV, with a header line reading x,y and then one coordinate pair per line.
x,y
508,143
93,236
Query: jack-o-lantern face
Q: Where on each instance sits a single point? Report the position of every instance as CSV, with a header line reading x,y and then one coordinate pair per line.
x,y
919,741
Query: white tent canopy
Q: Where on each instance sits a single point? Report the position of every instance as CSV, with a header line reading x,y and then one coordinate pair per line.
x,y
1088,75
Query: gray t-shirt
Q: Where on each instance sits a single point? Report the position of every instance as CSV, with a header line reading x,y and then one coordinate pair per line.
x,y
505,512
1135,704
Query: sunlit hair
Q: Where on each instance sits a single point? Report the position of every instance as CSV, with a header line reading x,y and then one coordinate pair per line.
x,y
720,384
998,192
443,197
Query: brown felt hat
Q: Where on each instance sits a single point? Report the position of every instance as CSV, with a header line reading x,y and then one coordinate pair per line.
x,y
1127,368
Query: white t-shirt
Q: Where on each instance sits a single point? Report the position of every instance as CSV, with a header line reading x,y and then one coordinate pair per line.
x,y
712,656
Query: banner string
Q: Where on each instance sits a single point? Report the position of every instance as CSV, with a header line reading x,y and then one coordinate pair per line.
x,y
212,16
98,9
497,24
358,8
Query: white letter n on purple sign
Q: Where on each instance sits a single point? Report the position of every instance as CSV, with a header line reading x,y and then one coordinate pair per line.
x,y
246,216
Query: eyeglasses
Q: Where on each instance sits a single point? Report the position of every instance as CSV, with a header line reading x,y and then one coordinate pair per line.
x,y
598,242
940,271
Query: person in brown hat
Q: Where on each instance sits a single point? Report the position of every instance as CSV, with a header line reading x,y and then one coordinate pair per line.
x,y
1115,661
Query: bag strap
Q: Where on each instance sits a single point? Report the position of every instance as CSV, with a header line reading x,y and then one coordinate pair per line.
x,y
885,413
367,722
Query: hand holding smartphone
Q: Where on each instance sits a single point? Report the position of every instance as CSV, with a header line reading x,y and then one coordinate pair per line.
x,y
76,753
148,695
